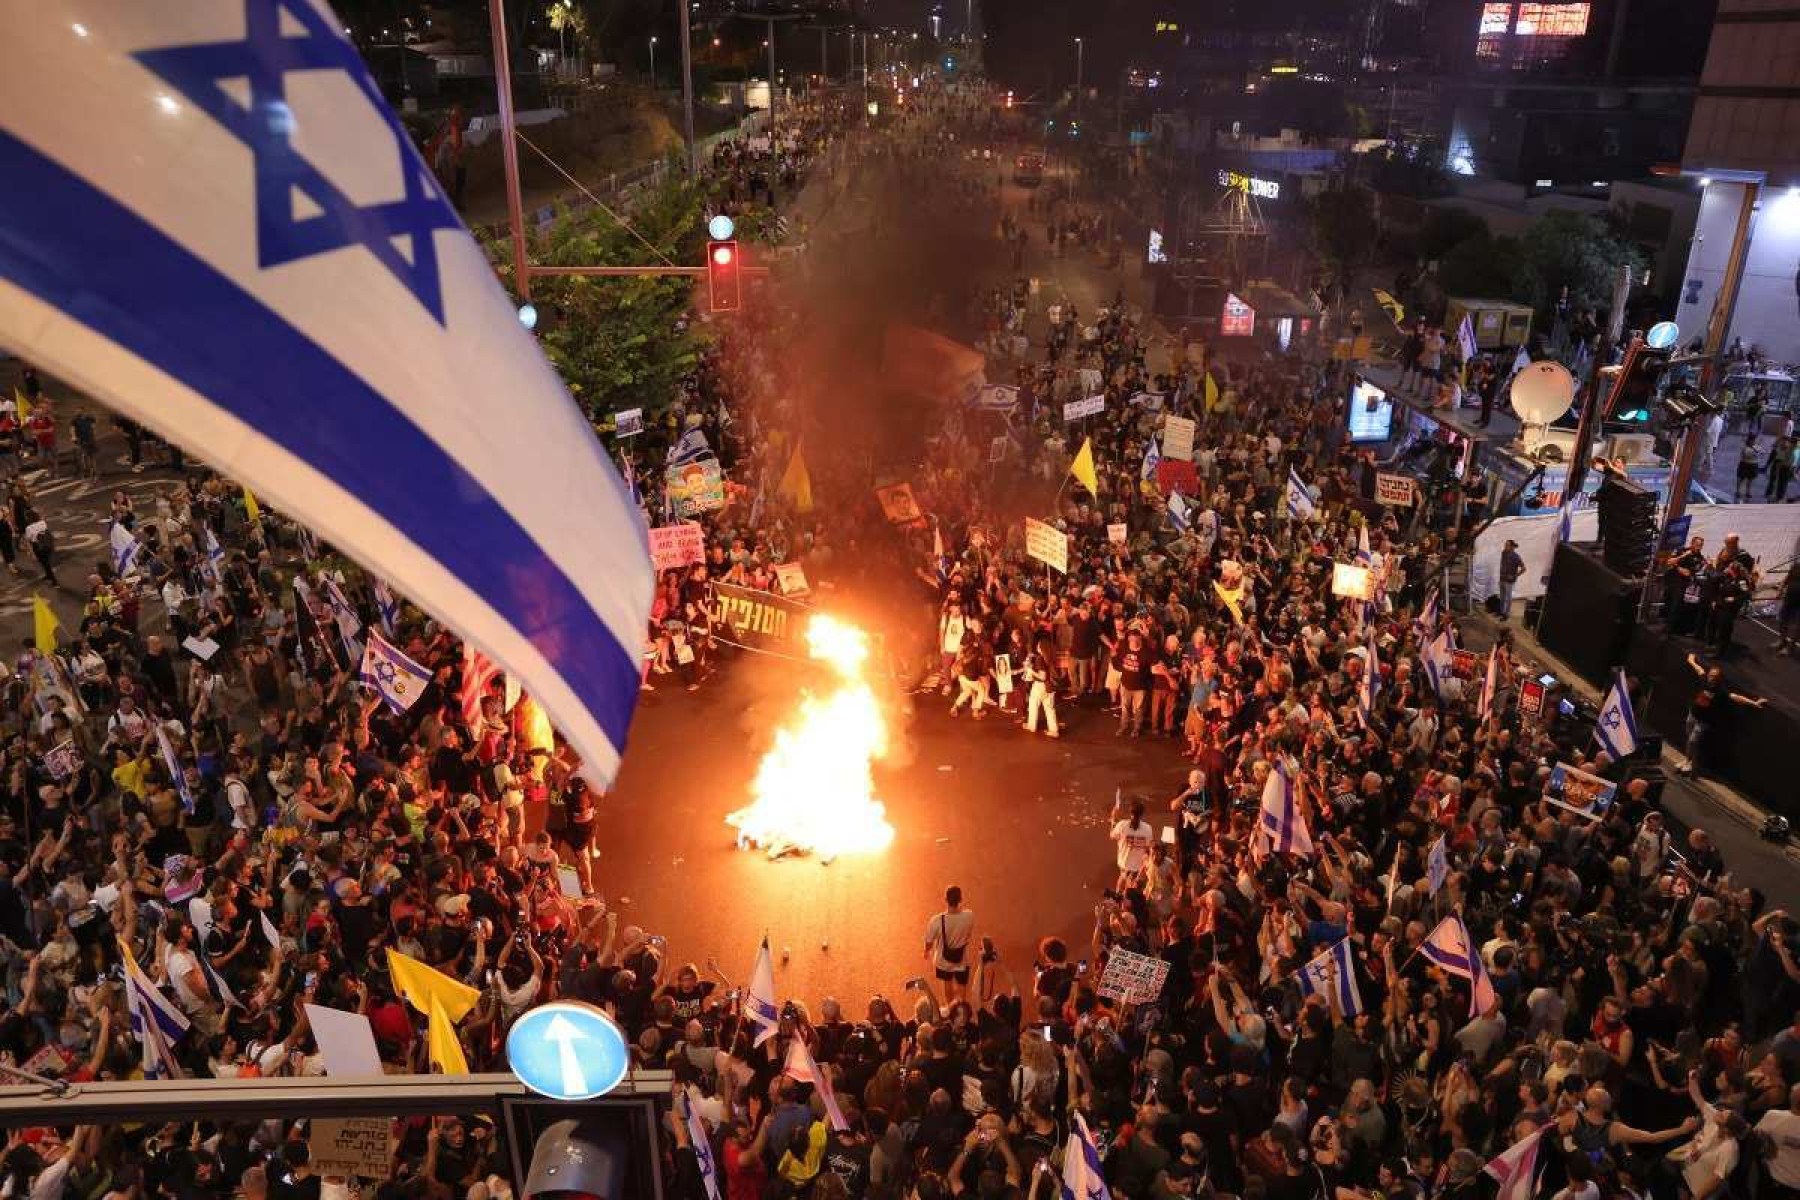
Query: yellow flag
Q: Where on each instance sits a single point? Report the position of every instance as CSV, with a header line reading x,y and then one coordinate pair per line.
x,y
22,404
796,482
1212,394
252,509
1083,468
44,625
419,984
441,1042
1233,598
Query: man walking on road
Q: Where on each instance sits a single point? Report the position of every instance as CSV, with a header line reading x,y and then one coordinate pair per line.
x,y
947,938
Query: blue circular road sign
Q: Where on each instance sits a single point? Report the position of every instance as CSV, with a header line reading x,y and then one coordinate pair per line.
x,y
1662,335
567,1051
720,228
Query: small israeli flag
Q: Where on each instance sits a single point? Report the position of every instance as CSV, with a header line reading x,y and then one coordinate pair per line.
x,y
125,548
1152,456
691,448
1616,730
1437,865
398,679
1300,505
1333,973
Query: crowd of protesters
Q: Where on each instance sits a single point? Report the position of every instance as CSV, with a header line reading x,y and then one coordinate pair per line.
x,y
1643,1011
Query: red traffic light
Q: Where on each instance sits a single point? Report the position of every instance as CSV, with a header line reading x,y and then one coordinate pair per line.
x,y
723,284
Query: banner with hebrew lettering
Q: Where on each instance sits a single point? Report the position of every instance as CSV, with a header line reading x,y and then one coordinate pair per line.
x,y
759,620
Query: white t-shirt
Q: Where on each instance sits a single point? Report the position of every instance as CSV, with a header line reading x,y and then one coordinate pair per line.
x,y
1782,1127
51,1180
953,930
1134,843
180,964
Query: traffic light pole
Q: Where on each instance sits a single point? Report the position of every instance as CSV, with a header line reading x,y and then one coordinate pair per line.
x,y
509,149
687,87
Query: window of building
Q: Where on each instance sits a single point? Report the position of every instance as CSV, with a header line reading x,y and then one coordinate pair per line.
x,y
1550,20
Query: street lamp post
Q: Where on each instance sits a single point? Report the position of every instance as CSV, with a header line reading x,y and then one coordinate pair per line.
x,y
1079,57
653,62
687,86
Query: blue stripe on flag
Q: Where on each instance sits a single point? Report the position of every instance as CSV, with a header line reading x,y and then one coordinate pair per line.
x,y
116,279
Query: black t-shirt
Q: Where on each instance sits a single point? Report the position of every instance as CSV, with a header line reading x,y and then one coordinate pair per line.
x,y
849,1161
1134,669
1707,699
1085,642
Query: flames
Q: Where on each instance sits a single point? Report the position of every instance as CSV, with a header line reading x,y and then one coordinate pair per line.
x,y
813,791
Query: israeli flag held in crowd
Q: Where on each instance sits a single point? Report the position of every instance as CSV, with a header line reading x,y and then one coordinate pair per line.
x,y
1281,820
1450,947
396,678
125,548
759,997
1437,865
1299,500
155,1020
701,1142
1152,456
691,448
1333,973
227,235
1082,1178
1616,729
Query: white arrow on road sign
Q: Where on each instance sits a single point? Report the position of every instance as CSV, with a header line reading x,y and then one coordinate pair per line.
x,y
562,1031
567,1050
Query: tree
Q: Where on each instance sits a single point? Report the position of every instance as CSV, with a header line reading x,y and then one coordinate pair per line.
x,y
1580,252
1343,233
621,342
1445,228
1488,267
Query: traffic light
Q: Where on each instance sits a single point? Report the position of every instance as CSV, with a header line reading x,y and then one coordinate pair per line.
x,y
723,281
1635,383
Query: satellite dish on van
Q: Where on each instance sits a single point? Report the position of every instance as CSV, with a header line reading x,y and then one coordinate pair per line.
x,y
1542,392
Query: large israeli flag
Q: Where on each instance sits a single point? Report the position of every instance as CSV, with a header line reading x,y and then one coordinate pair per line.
x,y
217,226
397,679
1616,729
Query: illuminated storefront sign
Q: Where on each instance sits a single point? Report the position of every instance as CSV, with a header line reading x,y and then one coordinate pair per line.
x,y
1237,319
1262,189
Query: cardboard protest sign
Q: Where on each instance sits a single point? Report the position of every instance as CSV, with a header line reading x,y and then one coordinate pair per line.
x,y
351,1146
1075,410
677,545
792,579
1048,544
1352,582
1393,489
898,503
1133,978
696,487
1178,438
1580,791
629,422
1117,533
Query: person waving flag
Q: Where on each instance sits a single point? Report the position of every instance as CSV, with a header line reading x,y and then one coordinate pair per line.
x,y
1282,823
1450,947
396,678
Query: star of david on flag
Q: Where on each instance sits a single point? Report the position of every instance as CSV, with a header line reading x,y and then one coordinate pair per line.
x,y
1333,973
300,212
1616,727
396,678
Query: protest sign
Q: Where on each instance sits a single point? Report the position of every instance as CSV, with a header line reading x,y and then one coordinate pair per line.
x,y
696,487
1133,978
1117,533
1048,544
997,449
629,422
759,620
898,504
792,579
1178,439
1003,673
50,1059
1149,401
677,545
1462,664
1393,489
1075,410
1352,582
1531,700
1174,475
1580,791
62,760
351,1146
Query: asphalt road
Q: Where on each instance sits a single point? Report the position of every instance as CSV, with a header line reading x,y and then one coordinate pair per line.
x,y
1019,822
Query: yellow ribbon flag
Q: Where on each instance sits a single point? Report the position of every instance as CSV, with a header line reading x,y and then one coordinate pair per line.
x,y
21,403
1212,394
1083,468
44,625
796,482
443,1000
1233,598
252,509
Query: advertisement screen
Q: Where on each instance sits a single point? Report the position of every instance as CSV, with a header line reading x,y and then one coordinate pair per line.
x,y
1371,413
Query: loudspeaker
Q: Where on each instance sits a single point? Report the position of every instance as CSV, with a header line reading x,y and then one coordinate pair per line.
x,y
1589,613
1627,525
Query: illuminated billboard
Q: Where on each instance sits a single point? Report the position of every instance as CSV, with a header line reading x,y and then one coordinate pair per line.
x,y
1551,20
1237,319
